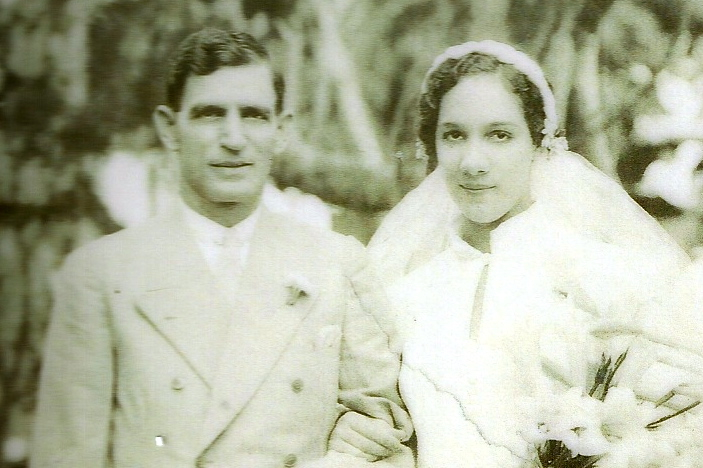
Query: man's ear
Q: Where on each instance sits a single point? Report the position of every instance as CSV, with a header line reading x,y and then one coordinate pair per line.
x,y
164,120
285,124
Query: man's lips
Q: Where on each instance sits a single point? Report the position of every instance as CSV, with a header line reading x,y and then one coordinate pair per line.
x,y
231,164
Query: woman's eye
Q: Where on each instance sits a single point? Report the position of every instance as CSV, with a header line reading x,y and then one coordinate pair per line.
x,y
500,135
453,135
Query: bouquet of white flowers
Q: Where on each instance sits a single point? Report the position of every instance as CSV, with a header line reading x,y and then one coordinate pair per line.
x,y
608,426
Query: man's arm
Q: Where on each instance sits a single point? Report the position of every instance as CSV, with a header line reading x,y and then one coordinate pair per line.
x,y
376,421
72,424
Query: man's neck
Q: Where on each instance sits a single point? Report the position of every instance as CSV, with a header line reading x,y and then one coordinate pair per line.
x,y
226,214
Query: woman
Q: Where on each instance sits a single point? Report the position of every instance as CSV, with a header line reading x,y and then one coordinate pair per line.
x,y
503,257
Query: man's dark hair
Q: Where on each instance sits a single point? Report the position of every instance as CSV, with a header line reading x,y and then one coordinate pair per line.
x,y
210,49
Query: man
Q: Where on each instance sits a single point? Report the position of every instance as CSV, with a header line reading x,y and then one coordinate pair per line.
x,y
221,335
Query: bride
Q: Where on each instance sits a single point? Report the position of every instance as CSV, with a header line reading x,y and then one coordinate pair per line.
x,y
504,258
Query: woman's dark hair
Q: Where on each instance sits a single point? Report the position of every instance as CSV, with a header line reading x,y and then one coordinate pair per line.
x,y
448,74
208,50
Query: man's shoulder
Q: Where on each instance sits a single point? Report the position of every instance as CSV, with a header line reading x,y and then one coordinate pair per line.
x,y
305,235
122,242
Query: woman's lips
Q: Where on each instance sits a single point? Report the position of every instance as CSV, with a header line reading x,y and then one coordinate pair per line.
x,y
476,188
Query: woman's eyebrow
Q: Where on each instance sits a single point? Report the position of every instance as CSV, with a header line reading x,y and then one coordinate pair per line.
x,y
503,124
449,124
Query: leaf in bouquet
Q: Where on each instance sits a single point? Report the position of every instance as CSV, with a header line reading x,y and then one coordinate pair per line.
x,y
655,424
665,398
604,376
611,373
601,376
555,454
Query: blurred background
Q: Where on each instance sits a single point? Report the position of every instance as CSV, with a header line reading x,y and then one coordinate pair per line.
x,y
80,78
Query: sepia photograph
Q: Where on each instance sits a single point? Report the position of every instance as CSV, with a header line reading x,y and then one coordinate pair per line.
x,y
351,233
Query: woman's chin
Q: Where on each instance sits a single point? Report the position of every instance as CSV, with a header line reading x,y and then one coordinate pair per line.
x,y
481,217
492,215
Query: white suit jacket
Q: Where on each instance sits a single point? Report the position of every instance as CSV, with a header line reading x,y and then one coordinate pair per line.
x,y
149,363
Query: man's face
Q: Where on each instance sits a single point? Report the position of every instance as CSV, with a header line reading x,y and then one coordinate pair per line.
x,y
225,135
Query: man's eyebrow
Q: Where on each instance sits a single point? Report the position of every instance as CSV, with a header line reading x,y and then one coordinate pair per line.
x,y
256,110
205,109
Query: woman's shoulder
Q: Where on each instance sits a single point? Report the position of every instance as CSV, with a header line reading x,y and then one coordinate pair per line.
x,y
436,290
414,230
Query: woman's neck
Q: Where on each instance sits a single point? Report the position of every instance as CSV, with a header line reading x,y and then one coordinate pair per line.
x,y
478,235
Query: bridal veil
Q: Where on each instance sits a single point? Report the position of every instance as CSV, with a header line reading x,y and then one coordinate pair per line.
x,y
590,201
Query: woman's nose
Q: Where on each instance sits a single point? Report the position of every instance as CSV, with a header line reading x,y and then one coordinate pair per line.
x,y
232,133
475,160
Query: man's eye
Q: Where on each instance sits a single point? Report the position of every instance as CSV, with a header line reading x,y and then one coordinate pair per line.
x,y
209,113
500,135
453,135
256,114
212,116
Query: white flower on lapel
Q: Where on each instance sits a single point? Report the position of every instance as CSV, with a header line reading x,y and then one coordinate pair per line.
x,y
298,287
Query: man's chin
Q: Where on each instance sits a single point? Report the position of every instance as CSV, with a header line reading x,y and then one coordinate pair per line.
x,y
241,193
239,198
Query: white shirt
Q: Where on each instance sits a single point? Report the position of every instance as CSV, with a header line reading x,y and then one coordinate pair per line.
x,y
216,242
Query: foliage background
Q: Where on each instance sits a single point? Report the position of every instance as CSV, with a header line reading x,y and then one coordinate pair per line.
x,y
79,79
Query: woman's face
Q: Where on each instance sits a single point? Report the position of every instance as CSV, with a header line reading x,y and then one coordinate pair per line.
x,y
485,149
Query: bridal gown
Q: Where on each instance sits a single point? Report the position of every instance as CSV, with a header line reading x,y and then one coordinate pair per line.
x,y
486,331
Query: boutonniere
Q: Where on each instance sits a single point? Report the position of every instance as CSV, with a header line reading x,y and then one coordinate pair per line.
x,y
298,288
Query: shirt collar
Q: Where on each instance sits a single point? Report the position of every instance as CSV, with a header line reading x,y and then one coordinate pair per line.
x,y
210,232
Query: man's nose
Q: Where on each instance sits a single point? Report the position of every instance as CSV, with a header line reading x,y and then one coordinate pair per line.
x,y
475,159
232,133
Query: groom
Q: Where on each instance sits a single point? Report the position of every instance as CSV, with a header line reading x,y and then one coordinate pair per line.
x,y
219,335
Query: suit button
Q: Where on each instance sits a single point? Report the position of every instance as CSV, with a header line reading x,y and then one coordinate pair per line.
x,y
177,384
290,461
297,385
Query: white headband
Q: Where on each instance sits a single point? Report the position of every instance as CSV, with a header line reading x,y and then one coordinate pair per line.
x,y
523,63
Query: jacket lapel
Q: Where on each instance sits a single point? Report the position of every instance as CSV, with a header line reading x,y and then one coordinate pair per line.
x,y
182,299
273,301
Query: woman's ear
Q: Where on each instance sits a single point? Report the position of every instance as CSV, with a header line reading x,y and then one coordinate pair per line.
x,y
285,123
165,120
